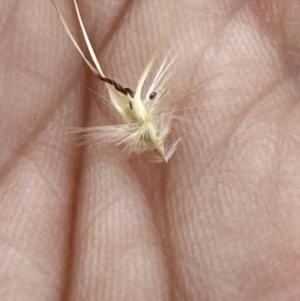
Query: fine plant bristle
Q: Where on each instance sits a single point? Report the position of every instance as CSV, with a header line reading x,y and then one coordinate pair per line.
x,y
146,116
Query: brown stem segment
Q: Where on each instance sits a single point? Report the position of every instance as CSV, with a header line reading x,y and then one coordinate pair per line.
x,y
116,85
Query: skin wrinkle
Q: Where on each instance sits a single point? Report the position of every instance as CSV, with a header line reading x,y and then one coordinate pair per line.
x,y
159,222
43,176
116,24
185,270
20,251
215,36
4,32
75,197
178,291
246,109
29,71
239,120
90,223
226,140
165,240
103,209
274,26
40,126
282,125
270,17
162,222
11,162
73,213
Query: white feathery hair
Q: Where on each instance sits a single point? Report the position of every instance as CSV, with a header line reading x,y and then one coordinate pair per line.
x,y
146,116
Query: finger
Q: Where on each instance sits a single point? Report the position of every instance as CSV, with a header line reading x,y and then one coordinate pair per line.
x,y
233,201
36,175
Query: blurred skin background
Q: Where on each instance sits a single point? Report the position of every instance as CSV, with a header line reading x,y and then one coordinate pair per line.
x,y
219,222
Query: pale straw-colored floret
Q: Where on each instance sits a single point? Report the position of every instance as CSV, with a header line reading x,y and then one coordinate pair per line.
x,y
146,119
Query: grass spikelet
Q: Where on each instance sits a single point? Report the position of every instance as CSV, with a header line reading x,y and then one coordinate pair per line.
x,y
145,114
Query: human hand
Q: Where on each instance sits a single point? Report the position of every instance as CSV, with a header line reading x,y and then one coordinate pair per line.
x,y
218,222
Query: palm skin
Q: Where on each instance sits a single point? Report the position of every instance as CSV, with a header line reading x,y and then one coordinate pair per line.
x,y
220,221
